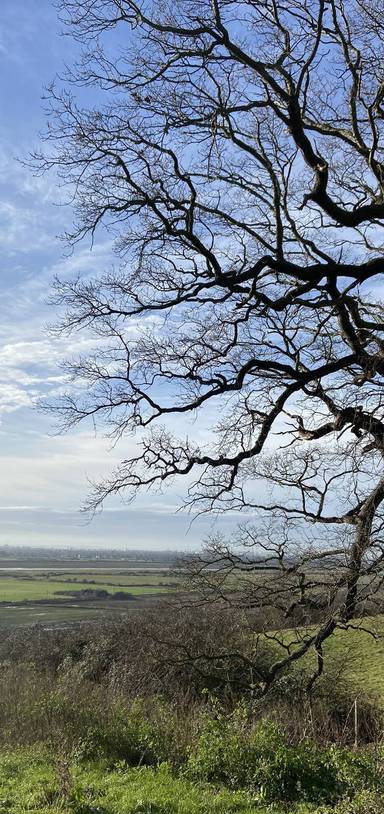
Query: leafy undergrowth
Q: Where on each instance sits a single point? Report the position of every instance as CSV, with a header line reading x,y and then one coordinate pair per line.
x,y
146,758
33,782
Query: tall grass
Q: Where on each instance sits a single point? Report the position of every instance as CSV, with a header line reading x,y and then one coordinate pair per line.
x,y
87,695
240,748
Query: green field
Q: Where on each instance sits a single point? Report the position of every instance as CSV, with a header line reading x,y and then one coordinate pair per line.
x,y
65,593
122,578
360,655
32,781
354,654
17,589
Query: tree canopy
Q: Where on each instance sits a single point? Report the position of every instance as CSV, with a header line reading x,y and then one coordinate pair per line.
x,y
234,150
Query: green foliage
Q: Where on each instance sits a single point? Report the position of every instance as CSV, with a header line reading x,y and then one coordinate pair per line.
x,y
260,759
33,781
29,782
229,754
232,750
116,732
367,802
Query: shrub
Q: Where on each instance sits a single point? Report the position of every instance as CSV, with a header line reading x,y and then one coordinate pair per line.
x,y
366,802
115,732
327,714
259,759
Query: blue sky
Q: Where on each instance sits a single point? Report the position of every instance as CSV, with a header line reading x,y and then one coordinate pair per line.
x,y
43,477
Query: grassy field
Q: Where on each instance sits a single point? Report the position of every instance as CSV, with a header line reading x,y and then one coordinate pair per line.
x,y
121,578
50,585
355,654
31,781
19,589
360,654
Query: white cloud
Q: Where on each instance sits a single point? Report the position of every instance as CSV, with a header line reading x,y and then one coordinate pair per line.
x,y
43,479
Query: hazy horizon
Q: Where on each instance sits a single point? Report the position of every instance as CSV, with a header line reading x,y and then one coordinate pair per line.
x,y
43,477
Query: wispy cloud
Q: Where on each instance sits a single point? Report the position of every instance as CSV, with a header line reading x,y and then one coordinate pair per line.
x,y
43,478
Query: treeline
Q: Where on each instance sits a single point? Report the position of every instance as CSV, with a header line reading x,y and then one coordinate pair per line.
x,y
18,553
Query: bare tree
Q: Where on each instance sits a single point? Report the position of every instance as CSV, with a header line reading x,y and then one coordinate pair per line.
x,y
234,149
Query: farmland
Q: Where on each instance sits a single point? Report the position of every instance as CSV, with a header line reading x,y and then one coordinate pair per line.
x,y
57,592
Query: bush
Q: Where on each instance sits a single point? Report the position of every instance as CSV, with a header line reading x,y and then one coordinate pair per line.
x,y
89,731
259,759
366,802
83,721
327,714
145,655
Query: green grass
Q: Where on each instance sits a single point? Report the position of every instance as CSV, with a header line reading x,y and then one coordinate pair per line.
x,y
31,781
16,589
105,577
354,654
360,654
357,654
53,586
118,579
